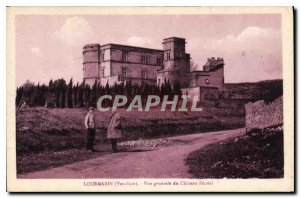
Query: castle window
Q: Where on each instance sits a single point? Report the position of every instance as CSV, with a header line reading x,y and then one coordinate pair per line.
x,y
168,55
102,72
206,81
177,54
159,61
143,74
124,72
125,57
144,60
102,57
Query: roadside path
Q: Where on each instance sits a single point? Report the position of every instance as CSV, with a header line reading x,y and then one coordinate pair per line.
x,y
166,162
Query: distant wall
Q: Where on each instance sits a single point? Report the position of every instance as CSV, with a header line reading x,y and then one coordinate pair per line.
x,y
210,79
261,115
192,92
201,93
111,80
209,93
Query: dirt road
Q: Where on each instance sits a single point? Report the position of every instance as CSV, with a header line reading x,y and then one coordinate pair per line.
x,y
164,162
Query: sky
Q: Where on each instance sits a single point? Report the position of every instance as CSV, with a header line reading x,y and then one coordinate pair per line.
x,y
50,46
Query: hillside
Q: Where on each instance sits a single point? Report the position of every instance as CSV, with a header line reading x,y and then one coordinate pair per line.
x,y
52,137
254,155
264,90
52,134
43,129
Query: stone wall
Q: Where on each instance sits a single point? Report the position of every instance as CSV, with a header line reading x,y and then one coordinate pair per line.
x,y
91,63
261,115
209,93
191,92
111,80
134,71
209,79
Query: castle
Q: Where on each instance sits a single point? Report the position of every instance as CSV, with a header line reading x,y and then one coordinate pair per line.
x,y
114,63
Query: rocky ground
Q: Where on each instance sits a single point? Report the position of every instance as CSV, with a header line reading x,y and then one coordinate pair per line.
x,y
258,154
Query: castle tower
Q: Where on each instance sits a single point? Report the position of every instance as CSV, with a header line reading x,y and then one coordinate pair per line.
x,y
176,61
215,67
91,63
175,57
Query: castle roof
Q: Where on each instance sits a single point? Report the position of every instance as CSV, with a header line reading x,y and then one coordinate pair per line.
x,y
129,47
172,39
91,45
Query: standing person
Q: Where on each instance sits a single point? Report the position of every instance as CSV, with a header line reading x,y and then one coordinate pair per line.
x,y
90,126
114,130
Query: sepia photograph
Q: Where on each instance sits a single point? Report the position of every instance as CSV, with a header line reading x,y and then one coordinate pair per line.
x,y
145,99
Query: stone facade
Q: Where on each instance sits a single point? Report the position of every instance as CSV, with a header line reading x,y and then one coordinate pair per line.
x,y
176,61
202,93
211,76
112,63
91,63
261,115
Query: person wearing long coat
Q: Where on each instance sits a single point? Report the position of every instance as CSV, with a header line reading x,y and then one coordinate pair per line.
x,y
114,130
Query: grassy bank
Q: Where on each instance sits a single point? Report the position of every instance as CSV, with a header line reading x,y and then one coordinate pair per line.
x,y
256,155
44,129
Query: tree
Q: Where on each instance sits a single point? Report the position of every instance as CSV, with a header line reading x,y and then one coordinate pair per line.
x,y
69,94
59,94
59,89
19,96
177,88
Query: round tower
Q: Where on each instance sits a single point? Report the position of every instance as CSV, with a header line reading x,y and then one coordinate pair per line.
x,y
91,63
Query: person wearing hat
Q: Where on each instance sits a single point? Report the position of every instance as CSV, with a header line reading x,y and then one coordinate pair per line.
x,y
90,126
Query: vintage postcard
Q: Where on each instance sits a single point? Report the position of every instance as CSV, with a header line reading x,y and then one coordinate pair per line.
x,y
150,99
